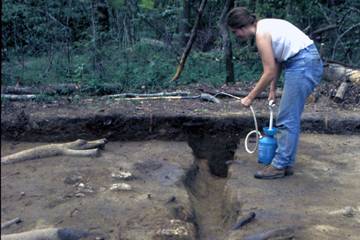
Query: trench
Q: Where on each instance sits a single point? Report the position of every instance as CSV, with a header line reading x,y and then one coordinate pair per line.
x,y
207,200
206,181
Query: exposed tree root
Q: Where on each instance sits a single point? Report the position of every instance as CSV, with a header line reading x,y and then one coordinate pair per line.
x,y
279,233
10,222
78,148
48,234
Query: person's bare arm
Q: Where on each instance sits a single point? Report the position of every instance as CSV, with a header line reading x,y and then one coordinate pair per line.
x,y
270,68
272,92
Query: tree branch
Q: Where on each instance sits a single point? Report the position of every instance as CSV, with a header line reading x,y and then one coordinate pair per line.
x,y
340,36
323,29
190,42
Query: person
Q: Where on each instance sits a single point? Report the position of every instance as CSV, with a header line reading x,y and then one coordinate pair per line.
x,y
281,46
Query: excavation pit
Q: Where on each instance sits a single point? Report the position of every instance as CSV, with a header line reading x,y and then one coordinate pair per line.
x,y
169,181
190,178
74,191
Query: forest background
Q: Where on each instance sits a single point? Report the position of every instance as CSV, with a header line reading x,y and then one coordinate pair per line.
x,y
137,44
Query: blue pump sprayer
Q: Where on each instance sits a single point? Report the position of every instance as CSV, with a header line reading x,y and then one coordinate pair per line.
x,y
266,143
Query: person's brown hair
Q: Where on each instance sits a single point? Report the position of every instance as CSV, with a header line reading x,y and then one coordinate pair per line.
x,y
240,17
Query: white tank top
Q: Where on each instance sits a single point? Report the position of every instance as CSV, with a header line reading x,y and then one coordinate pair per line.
x,y
287,40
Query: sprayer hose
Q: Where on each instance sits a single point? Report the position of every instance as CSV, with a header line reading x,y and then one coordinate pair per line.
x,y
256,131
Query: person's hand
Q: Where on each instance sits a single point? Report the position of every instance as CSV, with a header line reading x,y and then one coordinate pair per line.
x,y
272,96
246,101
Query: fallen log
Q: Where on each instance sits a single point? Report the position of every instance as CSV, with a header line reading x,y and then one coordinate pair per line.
x,y
64,89
105,89
240,94
133,95
19,90
27,97
13,97
78,148
46,89
48,234
202,96
339,72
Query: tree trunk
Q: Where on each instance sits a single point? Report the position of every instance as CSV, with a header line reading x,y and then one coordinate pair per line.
x,y
103,15
132,12
226,42
96,44
185,23
94,37
68,43
252,5
158,3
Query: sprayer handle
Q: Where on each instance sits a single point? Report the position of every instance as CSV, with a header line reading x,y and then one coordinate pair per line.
x,y
271,103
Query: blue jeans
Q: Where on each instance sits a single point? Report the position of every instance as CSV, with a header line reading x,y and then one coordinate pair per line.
x,y
303,73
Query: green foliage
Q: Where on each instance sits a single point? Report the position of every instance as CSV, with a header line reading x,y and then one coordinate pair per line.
x,y
117,4
142,67
74,42
147,4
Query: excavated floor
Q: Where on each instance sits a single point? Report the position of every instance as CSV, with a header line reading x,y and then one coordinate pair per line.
x,y
175,195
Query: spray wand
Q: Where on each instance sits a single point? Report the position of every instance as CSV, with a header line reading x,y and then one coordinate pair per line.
x,y
271,106
258,134
270,130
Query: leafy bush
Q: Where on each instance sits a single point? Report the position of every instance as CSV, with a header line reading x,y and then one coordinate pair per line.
x,y
138,68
